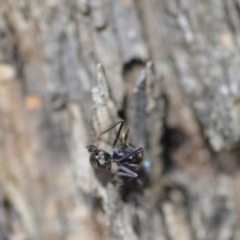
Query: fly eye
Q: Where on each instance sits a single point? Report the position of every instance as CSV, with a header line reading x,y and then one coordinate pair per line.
x,y
91,148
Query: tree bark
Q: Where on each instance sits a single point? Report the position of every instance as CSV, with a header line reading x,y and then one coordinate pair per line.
x,y
171,72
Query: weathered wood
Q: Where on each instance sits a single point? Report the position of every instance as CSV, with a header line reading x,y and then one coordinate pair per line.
x,y
204,49
55,99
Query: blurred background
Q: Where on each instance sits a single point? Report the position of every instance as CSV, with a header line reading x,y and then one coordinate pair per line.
x,y
171,72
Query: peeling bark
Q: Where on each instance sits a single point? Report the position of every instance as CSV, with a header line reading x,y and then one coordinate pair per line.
x,y
171,72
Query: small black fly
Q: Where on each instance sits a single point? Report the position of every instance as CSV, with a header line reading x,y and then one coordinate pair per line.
x,y
133,172
127,157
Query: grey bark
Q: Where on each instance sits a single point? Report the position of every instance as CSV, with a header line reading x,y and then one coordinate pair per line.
x,y
171,69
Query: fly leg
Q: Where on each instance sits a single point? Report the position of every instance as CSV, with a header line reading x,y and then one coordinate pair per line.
x,y
126,172
118,132
129,155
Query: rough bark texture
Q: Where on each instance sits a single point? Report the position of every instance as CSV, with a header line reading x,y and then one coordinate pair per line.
x,y
171,71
